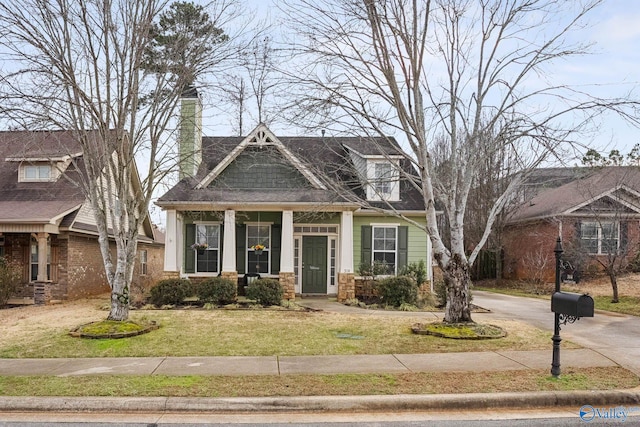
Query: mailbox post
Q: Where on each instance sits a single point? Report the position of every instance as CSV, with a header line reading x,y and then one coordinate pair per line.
x,y
567,307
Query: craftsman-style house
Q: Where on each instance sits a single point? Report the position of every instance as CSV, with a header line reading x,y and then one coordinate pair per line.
x,y
47,226
289,208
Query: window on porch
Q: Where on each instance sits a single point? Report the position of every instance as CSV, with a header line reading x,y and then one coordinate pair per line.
x,y
33,261
258,261
207,260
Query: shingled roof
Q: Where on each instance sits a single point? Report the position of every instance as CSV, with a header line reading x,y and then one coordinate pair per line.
x,y
325,156
39,202
587,185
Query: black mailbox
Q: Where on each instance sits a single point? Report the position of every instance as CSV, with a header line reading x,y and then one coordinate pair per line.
x,y
572,304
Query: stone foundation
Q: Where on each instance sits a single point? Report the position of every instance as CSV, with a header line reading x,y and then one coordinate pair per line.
x,y
288,282
41,293
346,286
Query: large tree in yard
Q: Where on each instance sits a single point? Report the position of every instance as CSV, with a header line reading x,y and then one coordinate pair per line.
x,y
112,72
463,76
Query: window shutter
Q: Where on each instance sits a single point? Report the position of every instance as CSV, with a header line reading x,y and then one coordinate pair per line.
x,y
189,254
276,239
241,250
403,247
365,245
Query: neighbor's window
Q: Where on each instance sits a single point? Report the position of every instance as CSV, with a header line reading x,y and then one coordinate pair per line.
x,y
33,258
258,235
37,172
600,237
207,260
384,247
143,262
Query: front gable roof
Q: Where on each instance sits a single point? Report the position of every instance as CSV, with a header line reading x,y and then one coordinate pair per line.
x,y
261,138
262,171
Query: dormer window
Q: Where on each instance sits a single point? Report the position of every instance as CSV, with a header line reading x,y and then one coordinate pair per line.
x,y
36,172
383,178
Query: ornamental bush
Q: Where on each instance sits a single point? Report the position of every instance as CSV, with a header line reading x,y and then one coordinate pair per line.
x,y
266,292
399,290
170,292
217,290
10,277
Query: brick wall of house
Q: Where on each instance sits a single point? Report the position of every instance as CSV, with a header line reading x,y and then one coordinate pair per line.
x,y
528,248
85,269
528,251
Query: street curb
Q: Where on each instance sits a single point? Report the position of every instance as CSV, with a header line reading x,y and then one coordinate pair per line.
x,y
321,403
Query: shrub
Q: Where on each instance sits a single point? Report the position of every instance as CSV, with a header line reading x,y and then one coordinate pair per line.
x,y
265,292
217,290
396,291
440,289
170,292
10,275
416,270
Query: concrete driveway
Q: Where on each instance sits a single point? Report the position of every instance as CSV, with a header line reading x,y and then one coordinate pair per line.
x,y
616,336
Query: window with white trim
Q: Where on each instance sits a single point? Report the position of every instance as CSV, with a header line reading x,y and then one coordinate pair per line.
x,y
34,255
385,245
36,173
600,238
258,259
383,181
208,258
143,262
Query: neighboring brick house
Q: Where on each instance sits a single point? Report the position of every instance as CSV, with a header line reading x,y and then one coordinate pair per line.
x,y
300,198
596,212
47,226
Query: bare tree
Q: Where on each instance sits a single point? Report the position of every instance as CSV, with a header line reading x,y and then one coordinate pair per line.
x,y
454,69
110,73
606,233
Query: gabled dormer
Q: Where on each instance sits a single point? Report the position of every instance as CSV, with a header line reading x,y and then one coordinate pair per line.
x,y
41,169
378,173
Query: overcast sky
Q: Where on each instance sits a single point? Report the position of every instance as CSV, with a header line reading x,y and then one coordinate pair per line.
x,y
612,69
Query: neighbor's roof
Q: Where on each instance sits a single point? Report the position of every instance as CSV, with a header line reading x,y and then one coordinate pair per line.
x,y
588,184
36,201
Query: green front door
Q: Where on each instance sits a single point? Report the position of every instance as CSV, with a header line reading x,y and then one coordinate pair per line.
x,y
314,264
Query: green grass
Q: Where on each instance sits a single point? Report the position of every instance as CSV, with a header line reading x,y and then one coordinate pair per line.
x,y
318,385
263,333
626,305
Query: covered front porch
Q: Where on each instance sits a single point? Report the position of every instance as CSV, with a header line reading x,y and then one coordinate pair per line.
x,y
310,253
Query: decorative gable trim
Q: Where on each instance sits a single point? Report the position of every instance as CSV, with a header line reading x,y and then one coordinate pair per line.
x,y
611,193
261,136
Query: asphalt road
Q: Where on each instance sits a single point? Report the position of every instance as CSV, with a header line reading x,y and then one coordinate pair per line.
x,y
613,335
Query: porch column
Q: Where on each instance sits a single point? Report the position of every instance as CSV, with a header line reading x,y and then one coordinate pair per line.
x,y
346,242
346,276
171,243
287,274
229,249
42,257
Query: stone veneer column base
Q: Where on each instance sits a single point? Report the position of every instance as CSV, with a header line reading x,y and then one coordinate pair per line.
x,y
231,275
288,282
170,275
346,286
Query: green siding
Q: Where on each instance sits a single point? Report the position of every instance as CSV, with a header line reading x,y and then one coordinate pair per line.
x,y
417,238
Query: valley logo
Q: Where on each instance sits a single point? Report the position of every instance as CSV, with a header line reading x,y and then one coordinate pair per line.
x,y
620,413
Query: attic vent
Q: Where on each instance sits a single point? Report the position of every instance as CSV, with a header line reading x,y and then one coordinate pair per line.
x,y
262,138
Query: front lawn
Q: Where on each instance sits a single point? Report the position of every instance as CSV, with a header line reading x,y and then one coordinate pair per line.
x,y
196,332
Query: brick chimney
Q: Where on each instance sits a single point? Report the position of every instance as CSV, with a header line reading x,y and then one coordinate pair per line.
x,y
190,136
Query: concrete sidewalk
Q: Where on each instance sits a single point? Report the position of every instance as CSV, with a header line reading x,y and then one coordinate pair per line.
x,y
290,365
